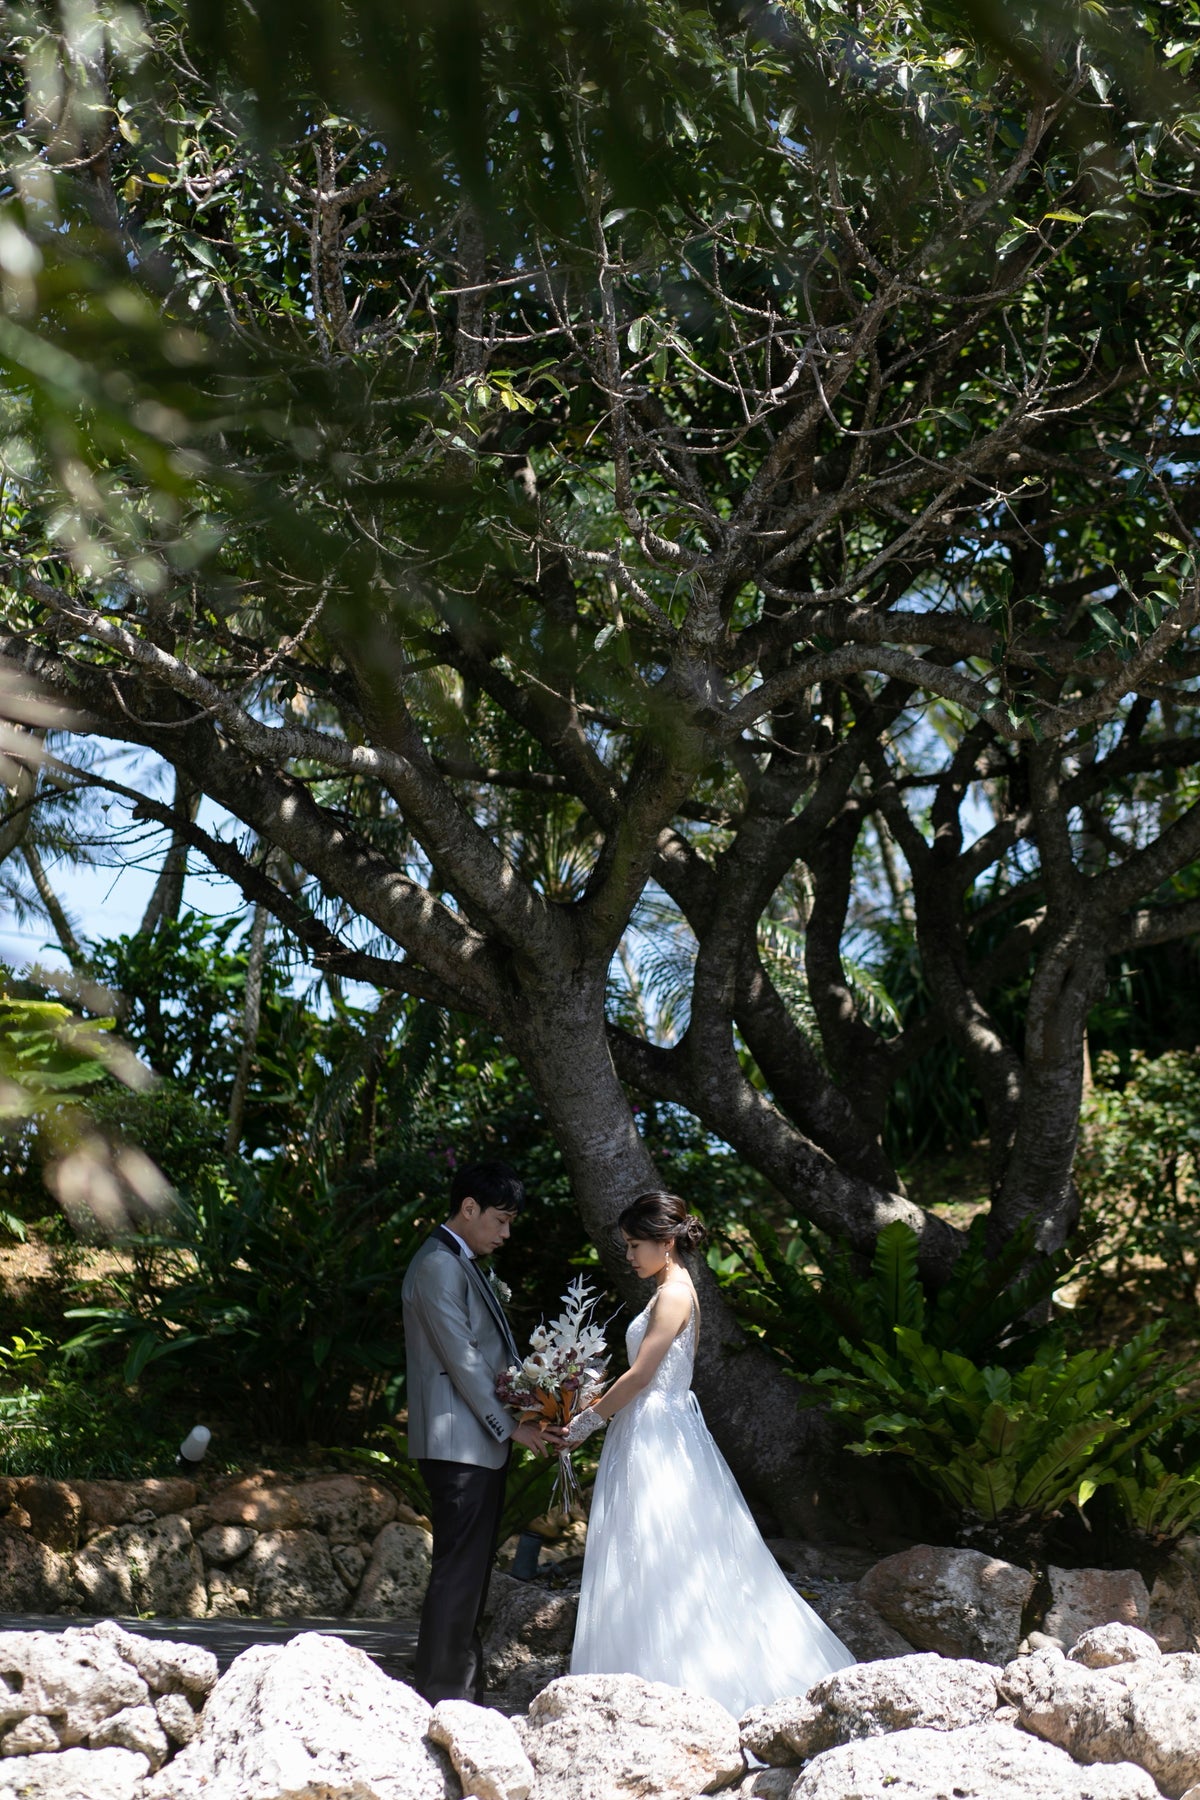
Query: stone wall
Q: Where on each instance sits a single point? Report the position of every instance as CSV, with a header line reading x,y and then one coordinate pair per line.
x,y
329,1546
326,1546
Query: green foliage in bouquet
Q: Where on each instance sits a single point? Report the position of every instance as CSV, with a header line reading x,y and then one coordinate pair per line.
x,y
1009,1449
994,1306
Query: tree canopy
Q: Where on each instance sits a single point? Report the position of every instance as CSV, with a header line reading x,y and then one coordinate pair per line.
x,y
553,474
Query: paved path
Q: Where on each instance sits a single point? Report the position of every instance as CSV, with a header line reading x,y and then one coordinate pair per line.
x,y
389,1643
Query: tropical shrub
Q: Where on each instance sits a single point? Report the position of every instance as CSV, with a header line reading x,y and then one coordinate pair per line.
x,y
1140,1178
60,1419
1158,1504
274,1291
813,1296
182,988
1008,1449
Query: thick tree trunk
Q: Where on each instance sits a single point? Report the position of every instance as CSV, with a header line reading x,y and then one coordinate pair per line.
x,y
1037,1182
778,1447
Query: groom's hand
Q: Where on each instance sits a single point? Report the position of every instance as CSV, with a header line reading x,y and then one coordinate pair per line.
x,y
530,1435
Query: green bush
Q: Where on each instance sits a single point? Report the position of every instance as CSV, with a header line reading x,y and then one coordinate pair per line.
x,y
274,1292
183,1135
1157,1503
994,1305
1009,1449
1140,1178
63,1420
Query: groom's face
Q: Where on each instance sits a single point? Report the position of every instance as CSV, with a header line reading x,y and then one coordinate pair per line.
x,y
484,1229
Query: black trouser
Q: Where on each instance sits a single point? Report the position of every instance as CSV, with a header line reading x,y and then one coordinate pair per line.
x,y
467,1507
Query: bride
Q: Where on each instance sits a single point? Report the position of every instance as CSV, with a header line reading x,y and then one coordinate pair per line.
x,y
678,1585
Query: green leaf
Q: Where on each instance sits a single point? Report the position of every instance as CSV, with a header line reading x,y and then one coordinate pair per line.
x,y
895,1269
1104,620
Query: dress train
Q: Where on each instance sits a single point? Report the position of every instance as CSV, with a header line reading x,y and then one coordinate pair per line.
x,y
678,1585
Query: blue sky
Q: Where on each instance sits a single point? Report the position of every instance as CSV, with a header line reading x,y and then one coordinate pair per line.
x,y
106,900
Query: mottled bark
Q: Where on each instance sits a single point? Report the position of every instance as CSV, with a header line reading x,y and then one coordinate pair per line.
x,y
778,1450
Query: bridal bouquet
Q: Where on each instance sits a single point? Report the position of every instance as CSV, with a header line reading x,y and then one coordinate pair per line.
x,y
563,1373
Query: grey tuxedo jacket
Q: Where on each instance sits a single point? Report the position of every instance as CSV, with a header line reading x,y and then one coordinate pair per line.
x,y
457,1340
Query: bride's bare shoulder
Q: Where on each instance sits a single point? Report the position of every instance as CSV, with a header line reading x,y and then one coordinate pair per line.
x,y
674,1304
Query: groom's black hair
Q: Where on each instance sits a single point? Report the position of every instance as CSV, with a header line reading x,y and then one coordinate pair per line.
x,y
492,1184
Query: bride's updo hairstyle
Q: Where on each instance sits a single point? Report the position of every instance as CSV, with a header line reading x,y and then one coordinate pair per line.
x,y
662,1219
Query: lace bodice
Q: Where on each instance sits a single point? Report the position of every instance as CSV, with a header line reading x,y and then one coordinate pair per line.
x,y
672,1380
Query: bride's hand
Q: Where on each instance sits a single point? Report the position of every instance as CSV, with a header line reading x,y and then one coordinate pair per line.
x,y
582,1426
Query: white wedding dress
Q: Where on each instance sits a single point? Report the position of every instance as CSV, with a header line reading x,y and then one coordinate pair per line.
x,y
678,1585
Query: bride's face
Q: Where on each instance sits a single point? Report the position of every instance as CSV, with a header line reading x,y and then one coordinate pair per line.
x,y
645,1257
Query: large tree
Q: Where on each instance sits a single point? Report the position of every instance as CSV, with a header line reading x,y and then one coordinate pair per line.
x,y
559,466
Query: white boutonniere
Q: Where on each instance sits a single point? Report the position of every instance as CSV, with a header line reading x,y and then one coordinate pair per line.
x,y
500,1288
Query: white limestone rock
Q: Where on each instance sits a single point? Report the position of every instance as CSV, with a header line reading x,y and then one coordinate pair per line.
x,y
1174,1619
866,1635
312,1716
869,1700
290,1574
397,1574
73,1775
1081,1599
165,1667
74,1677
617,1737
228,1598
485,1750
528,1644
153,1567
765,1784
349,1560
136,1728
344,1508
221,1545
177,1718
33,1577
959,1602
30,1737
1146,1712
1166,1725
1107,1646
981,1762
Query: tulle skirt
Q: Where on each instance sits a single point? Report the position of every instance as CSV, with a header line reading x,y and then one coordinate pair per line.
x,y
678,1585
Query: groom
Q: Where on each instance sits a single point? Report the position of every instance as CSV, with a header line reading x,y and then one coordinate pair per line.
x,y
457,1341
